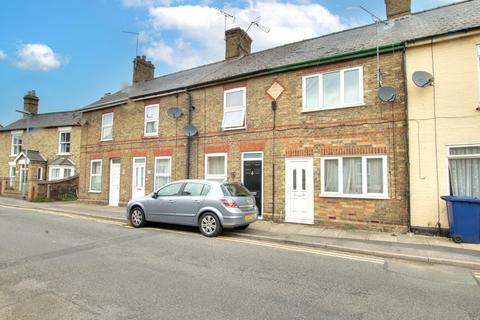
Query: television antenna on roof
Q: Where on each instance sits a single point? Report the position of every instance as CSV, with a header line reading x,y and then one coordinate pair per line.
x,y
227,16
258,25
137,34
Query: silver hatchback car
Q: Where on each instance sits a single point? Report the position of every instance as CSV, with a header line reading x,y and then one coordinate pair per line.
x,y
209,205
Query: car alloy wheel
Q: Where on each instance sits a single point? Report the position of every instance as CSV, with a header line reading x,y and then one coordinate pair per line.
x,y
137,218
210,225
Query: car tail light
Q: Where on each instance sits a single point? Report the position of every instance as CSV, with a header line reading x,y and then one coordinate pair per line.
x,y
229,203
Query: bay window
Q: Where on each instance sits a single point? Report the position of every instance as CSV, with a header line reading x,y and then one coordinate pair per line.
x,y
60,172
234,109
464,170
354,176
338,89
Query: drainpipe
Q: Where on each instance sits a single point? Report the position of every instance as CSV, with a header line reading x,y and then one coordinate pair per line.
x,y
274,109
189,139
407,142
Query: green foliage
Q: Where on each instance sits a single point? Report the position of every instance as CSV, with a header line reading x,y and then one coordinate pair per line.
x,y
41,198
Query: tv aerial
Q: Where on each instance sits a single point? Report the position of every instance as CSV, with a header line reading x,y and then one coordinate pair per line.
x,y
137,34
258,25
227,16
422,79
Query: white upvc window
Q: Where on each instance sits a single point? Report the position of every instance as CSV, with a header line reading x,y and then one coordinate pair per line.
x,y
60,172
107,127
151,120
355,177
163,171
331,90
216,167
234,108
40,173
464,170
96,176
13,176
16,143
478,69
64,135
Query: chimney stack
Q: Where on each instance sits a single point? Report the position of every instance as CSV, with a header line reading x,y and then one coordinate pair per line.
x,y
30,102
398,8
143,70
237,43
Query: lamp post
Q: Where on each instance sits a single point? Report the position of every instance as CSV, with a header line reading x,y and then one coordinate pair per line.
x,y
27,115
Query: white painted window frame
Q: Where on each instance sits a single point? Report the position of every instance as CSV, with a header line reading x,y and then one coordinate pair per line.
x,y
242,108
222,177
102,138
147,120
478,69
364,194
12,178
95,175
458,156
320,107
169,175
62,172
16,134
40,176
60,132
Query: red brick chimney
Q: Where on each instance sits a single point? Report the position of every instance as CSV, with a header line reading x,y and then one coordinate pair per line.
x,y
143,70
398,8
237,43
30,102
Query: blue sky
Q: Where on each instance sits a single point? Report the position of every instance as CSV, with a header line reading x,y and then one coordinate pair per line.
x,y
72,52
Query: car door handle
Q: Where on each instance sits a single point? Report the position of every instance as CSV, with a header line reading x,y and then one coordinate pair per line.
x,y
171,201
196,201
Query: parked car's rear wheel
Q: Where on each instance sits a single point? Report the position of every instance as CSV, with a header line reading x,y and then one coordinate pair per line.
x,y
210,225
137,218
241,227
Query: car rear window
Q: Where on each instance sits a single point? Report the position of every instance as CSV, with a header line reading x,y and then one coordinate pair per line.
x,y
235,190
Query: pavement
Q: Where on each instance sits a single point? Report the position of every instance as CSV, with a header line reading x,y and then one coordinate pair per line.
x,y
411,247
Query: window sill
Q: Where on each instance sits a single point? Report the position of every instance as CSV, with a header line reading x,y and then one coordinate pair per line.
x,y
64,154
150,137
234,128
106,140
355,196
362,104
90,191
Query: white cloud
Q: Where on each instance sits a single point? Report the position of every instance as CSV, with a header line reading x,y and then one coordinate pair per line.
x,y
3,55
38,56
199,29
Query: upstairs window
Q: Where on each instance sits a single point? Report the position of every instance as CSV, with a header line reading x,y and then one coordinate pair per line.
x,y
234,109
16,143
330,90
107,126
64,141
151,120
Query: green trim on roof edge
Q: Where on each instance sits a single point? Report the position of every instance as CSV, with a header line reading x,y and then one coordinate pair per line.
x,y
339,57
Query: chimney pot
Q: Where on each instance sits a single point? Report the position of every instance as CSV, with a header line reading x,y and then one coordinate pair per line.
x,y
398,8
30,102
143,70
237,43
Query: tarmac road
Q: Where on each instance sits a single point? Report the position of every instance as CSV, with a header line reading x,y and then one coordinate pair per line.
x,y
55,266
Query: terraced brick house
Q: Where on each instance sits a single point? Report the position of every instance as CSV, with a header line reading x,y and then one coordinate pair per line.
x,y
37,148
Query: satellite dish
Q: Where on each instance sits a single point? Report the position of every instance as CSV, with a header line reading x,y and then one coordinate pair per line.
x,y
174,112
422,79
387,94
190,130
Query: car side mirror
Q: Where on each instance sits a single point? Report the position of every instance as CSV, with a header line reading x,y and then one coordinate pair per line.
x,y
253,193
155,195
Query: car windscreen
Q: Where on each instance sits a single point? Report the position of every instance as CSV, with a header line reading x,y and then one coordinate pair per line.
x,y
235,190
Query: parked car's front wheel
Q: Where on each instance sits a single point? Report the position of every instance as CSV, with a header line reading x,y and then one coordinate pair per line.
x,y
210,225
137,218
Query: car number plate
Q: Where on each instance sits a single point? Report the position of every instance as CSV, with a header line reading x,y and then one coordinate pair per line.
x,y
249,217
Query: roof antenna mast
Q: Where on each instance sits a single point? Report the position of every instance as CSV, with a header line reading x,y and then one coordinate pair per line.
x,y
256,24
137,34
377,21
226,15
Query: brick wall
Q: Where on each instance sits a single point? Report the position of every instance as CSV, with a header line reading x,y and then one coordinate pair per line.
x,y
376,127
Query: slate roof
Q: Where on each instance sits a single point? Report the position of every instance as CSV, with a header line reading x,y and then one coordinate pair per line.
x,y
32,155
439,21
47,120
62,161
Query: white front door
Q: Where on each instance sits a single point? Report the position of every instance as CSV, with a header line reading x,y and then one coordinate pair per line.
x,y
138,188
299,190
114,189
23,178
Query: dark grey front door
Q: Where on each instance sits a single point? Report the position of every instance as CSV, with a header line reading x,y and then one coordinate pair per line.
x,y
252,179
